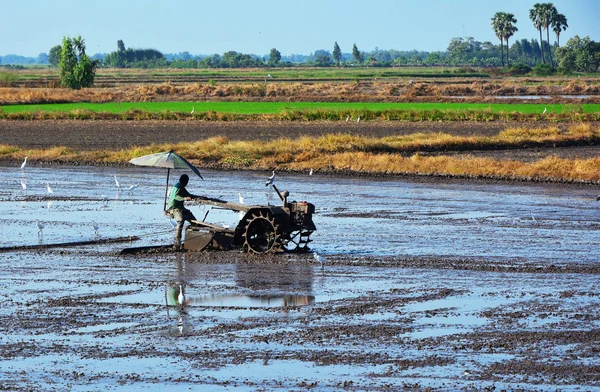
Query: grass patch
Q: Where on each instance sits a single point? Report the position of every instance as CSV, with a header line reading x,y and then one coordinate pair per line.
x,y
348,153
257,108
303,111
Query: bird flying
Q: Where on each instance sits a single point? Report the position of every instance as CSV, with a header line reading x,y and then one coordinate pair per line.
x,y
24,163
271,179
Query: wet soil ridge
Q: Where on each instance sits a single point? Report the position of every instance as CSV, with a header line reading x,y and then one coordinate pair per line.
x,y
512,151
564,91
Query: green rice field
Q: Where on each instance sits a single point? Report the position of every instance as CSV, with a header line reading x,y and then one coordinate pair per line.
x,y
255,108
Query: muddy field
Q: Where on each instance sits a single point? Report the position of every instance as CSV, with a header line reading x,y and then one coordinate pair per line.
x,y
426,286
115,135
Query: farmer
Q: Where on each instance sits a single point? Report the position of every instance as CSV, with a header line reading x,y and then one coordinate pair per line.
x,y
176,208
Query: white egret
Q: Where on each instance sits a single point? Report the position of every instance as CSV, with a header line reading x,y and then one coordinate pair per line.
x,y
271,179
241,198
544,112
117,182
95,227
48,189
358,119
24,186
24,163
347,118
181,297
40,226
532,217
310,173
269,76
132,187
192,112
319,258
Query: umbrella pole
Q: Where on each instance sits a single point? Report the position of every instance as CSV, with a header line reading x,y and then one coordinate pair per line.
x,y
166,190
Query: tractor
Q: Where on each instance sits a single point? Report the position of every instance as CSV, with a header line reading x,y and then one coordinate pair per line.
x,y
261,229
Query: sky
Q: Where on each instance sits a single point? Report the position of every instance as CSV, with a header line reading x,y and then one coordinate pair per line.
x,y
31,27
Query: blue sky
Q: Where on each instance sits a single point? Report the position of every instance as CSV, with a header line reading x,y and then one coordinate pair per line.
x,y
31,27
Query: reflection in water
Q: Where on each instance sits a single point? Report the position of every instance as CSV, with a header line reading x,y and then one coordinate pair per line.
x,y
262,286
240,300
271,285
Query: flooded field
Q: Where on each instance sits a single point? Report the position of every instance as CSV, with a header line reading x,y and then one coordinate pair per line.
x,y
439,285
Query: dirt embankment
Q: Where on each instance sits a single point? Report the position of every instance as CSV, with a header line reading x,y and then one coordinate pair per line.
x,y
116,135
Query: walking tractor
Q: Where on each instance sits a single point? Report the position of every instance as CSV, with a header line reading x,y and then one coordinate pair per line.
x,y
261,229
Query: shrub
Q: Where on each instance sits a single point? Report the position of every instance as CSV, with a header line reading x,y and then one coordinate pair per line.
x,y
519,69
543,70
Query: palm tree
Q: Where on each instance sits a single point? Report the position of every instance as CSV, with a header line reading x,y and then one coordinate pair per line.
x,y
559,23
535,16
548,14
508,30
497,26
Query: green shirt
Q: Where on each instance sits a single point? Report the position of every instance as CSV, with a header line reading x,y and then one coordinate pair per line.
x,y
177,197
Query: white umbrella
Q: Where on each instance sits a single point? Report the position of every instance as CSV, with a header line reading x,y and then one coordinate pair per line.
x,y
169,160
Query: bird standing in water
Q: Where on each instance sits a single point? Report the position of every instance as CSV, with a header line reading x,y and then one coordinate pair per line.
x,y
181,296
40,227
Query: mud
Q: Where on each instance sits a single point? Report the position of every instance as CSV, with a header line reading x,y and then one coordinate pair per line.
x,y
426,286
115,135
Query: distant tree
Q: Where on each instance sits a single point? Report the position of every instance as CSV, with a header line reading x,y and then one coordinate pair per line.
x,y
542,15
559,23
274,57
579,55
42,58
54,55
337,53
76,70
120,46
509,30
357,55
322,58
498,26
535,14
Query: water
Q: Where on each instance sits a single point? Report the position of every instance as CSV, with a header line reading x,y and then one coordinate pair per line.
x,y
354,216
86,318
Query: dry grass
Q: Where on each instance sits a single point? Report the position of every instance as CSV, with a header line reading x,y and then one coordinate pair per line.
x,y
363,91
392,155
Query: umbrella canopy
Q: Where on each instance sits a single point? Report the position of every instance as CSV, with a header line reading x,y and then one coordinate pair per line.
x,y
169,160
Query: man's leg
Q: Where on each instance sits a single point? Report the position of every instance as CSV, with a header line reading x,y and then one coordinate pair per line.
x,y
188,216
179,217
